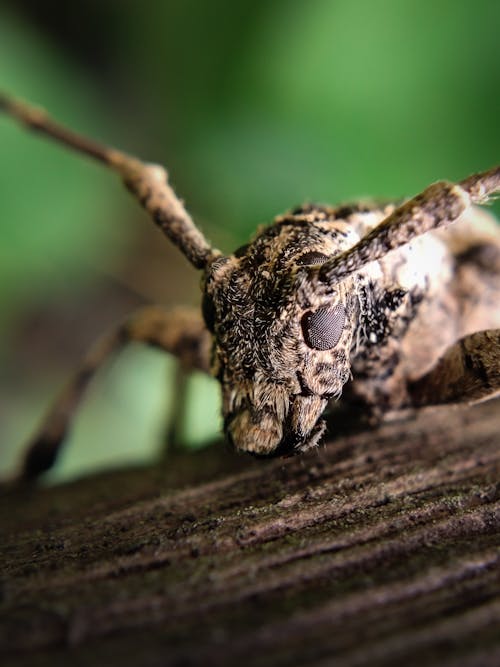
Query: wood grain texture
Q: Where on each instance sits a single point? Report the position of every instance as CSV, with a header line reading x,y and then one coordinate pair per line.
x,y
380,548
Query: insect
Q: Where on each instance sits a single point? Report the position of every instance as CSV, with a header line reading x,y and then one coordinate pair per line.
x,y
389,306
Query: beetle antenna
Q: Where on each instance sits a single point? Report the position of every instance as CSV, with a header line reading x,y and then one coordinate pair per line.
x,y
147,182
437,206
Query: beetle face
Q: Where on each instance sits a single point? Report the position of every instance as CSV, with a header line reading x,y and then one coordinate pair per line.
x,y
281,341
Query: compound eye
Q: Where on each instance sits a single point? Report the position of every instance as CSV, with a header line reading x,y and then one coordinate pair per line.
x,y
322,328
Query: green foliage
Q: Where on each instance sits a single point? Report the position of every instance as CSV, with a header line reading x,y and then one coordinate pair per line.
x,y
56,211
284,101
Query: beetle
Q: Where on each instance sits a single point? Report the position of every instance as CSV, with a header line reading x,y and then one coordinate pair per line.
x,y
393,306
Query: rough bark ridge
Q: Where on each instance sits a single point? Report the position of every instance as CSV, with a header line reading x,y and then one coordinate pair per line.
x,y
381,548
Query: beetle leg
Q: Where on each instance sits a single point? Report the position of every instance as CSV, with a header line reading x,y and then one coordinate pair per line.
x,y
180,332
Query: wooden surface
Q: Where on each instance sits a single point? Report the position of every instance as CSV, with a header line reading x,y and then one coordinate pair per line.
x,y
381,548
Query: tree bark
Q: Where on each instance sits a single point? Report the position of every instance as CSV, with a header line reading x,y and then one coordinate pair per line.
x,y
380,548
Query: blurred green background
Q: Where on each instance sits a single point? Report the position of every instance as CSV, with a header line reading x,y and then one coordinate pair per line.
x,y
253,107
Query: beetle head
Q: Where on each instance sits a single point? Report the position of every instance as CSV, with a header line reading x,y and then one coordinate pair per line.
x,y
282,339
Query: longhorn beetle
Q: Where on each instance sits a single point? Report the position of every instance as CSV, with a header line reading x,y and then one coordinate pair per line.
x,y
391,306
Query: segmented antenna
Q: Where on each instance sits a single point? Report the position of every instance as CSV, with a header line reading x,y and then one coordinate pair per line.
x,y
437,206
147,182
